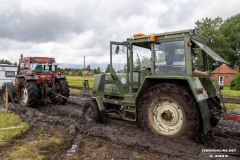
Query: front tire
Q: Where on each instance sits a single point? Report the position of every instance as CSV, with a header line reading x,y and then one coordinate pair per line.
x,y
28,93
90,112
168,109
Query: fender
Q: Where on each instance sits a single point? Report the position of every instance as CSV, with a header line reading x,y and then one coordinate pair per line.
x,y
27,78
60,77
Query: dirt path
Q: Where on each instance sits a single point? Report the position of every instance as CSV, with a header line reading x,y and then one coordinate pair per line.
x,y
117,139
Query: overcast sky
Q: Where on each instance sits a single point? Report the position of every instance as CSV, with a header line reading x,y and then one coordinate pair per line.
x,y
69,29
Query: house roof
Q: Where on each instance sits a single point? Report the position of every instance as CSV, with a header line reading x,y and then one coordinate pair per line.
x,y
224,69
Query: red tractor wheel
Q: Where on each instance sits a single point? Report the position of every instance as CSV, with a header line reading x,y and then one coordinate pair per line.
x,y
27,93
62,88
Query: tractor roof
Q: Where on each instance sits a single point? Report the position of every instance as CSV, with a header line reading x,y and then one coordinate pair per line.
x,y
39,59
145,41
158,37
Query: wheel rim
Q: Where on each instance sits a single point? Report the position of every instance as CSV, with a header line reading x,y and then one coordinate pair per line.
x,y
89,114
24,95
166,116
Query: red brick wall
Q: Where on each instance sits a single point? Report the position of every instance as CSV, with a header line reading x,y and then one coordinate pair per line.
x,y
227,78
236,68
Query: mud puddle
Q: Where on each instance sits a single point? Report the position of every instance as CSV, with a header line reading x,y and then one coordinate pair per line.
x,y
114,133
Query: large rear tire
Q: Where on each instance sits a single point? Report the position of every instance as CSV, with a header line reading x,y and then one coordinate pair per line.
x,y
170,110
27,93
63,89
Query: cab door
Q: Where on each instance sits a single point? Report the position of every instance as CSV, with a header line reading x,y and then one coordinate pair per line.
x,y
119,67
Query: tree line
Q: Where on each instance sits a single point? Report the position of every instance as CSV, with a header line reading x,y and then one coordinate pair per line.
x,y
4,61
224,36
80,71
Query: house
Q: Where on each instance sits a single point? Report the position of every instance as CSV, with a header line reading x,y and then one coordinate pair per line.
x,y
87,73
72,72
224,74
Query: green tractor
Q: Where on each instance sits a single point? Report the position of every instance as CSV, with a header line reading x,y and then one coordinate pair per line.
x,y
160,82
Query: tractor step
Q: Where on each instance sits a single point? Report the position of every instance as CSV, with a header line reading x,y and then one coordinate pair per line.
x,y
233,117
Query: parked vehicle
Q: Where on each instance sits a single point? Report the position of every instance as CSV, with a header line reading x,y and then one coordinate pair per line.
x,y
7,77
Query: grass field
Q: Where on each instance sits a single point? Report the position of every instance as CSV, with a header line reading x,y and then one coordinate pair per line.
x,y
231,106
11,120
17,146
228,92
78,81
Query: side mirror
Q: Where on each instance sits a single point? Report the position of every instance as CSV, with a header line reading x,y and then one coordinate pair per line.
x,y
117,49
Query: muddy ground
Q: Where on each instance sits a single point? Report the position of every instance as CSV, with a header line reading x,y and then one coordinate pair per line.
x,y
118,139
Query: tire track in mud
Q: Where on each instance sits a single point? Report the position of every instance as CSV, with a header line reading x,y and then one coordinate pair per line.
x,y
69,117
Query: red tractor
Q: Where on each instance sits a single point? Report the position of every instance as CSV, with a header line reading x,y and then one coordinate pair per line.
x,y
39,80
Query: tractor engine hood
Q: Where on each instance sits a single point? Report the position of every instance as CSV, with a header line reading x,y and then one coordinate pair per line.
x,y
210,52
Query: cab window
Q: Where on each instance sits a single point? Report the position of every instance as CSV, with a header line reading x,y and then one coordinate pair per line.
x,y
170,57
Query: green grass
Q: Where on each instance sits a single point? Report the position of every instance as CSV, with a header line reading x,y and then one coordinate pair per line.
x,y
228,92
78,81
231,106
137,156
44,146
11,120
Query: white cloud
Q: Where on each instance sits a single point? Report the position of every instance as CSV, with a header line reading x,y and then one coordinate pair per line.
x,y
69,30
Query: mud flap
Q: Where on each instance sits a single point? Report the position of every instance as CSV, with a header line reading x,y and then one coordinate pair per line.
x,y
100,106
205,116
99,103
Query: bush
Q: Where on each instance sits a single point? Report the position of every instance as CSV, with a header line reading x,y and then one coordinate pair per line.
x,y
235,83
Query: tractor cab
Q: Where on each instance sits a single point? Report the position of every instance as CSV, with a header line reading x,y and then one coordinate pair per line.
x,y
36,65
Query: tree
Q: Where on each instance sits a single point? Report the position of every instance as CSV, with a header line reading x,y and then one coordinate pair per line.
x,y
108,69
95,70
80,72
88,68
5,62
145,62
230,29
208,27
235,83
211,28
98,70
